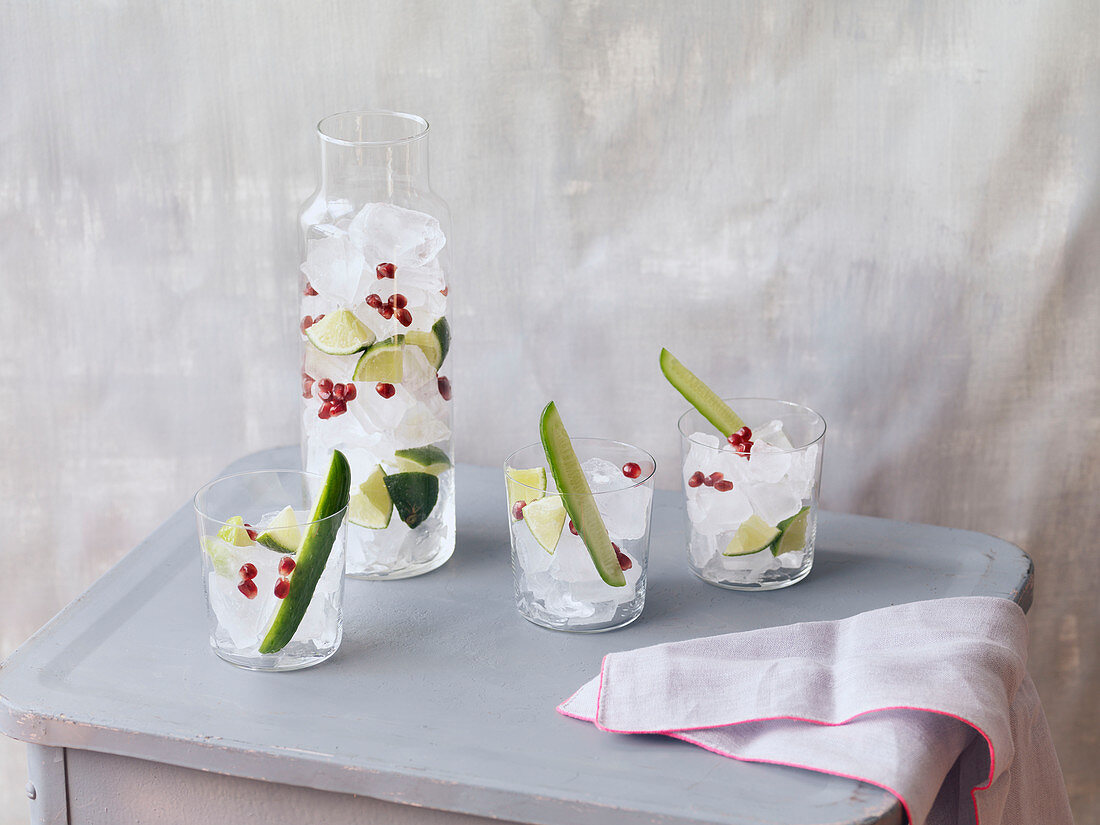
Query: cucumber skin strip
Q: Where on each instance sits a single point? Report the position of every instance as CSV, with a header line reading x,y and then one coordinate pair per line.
x,y
312,555
707,402
573,501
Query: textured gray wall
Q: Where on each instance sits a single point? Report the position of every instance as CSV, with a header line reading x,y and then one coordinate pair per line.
x,y
888,211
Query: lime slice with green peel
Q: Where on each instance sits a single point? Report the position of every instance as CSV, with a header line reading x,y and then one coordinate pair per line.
x,y
414,496
700,396
340,333
752,536
312,554
234,533
384,361
792,533
222,556
370,506
427,459
546,518
525,485
283,534
576,495
435,343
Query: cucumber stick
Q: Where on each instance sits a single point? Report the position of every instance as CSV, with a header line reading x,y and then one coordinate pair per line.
x,y
700,396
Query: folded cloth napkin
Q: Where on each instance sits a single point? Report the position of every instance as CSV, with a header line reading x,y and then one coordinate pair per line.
x,y
930,701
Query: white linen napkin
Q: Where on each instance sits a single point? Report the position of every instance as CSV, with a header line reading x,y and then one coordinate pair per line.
x,y
930,701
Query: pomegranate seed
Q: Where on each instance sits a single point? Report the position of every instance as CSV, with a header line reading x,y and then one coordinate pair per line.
x,y
307,386
324,389
723,486
734,439
374,301
385,390
317,318
696,479
517,510
248,571
573,529
404,317
386,312
389,302
248,588
248,528
444,387
624,560
309,290
715,478
282,587
399,301
338,391
708,481
286,566
631,470
338,407
443,292
307,322
745,433
350,392
385,270
326,411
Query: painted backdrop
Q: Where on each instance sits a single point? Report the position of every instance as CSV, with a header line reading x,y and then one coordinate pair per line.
x,y
888,211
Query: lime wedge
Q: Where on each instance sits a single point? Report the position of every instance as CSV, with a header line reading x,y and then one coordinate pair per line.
x,y
234,533
546,518
371,506
225,561
435,343
752,536
423,459
312,555
283,534
383,361
576,495
414,496
340,333
700,396
792,533
521,482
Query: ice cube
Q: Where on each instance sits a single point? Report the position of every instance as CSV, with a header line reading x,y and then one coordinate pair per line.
x,y
774,502
387,233
772,433
803,471
713,511
623,503
766,464
335,268
318,365
529,553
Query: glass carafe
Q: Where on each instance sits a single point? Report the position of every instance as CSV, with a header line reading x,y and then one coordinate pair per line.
x,y
375,340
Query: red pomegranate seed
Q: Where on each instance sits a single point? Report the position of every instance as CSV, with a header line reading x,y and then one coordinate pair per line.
x,y
317,318
338,391
708,481
631,470
286,566
389,302
745,433
248,588
715,478
385,270
350,392
723,486
282,587
573,529
374,301
444,387
326,411
386,312
734,439
309,290
404,317
624,560
517,510
307,386
324,389
307,322
696,479
443,292
338,407
399,301
248,570
248,528
385,390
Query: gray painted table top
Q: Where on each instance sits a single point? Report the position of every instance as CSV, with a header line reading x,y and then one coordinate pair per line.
x,y
442,696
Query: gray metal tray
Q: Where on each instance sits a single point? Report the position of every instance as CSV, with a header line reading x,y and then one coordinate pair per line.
x,y
442,696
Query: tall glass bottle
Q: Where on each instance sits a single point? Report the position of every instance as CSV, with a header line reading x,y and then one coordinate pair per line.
x,y
375,340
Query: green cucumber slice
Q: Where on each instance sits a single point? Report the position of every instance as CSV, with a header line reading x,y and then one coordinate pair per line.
x,y
414,496
283,534
700,396
577,497
312,555
792,533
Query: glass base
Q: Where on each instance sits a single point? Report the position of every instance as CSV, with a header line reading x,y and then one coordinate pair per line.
x,y
286,659
774,584
626,614
406,572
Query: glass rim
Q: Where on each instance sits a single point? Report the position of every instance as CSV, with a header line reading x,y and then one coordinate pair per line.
x,y
420,133
634,482
778,450
303,473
